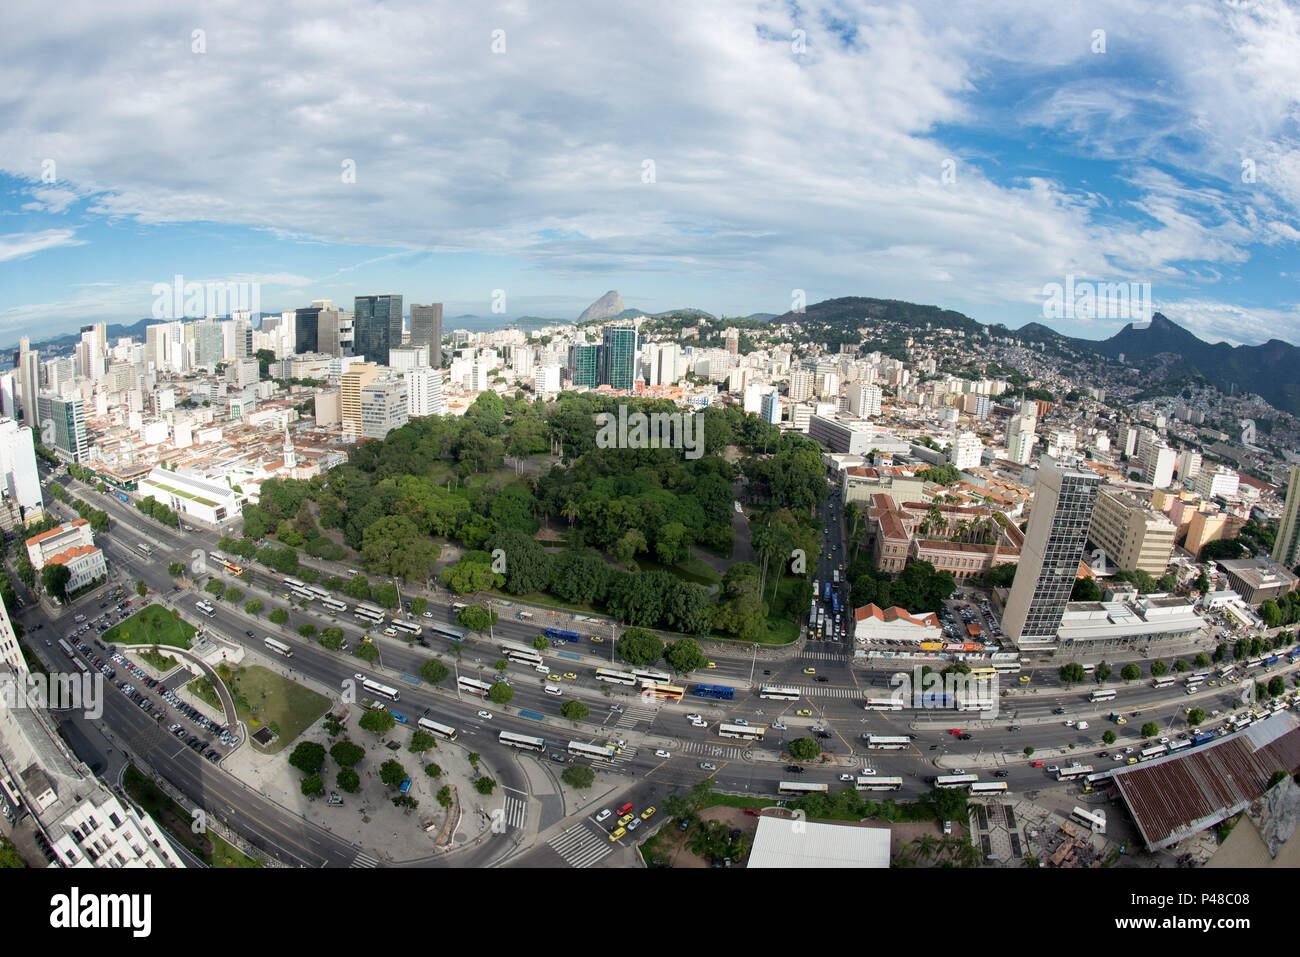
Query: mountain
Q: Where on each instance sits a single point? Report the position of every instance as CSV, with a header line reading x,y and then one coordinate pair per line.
x,y
854,309
610,304
761,316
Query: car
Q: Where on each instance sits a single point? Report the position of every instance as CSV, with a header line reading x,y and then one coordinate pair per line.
x,y
683,824
822,678
1052,769
740,721
633,824
596,639
803,713
1131,761
602,815
1013,727
616,834
570,676
1037,764
1024,679
428,614
625,818
867,773
553,677
846,777
700,723
1130,749
947,827
710,664
559,758
485,715
661,753
955,731
778,726
816,727
793,769
1058,711
1001,773
250,634
1070,723
616,709
958,770
692,717
810,671
708,766
1164,740
625,808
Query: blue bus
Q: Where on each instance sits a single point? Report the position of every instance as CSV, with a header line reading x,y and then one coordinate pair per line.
x,y
835,602
447,631
714,691
1200,737
1271,660
827,593
554,633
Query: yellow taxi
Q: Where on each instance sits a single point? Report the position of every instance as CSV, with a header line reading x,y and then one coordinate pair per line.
x,y
367,639
805,713
571,676
648,813
1024,679
710,664
596,639
625,818
616,834
810,671
553,678
1132,761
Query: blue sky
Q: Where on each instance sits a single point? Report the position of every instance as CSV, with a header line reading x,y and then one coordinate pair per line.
x,y
720,156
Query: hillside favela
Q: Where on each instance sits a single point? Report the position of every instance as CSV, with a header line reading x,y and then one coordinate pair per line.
x,y
630,482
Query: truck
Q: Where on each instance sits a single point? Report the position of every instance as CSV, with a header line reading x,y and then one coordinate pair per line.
x,y
1082,726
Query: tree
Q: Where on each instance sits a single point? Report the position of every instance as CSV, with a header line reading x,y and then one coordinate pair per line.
x,y
54,579
804,749
387,595
1196,716
308,757
279,616
1159,668
392,773
366,651
253,607
312,785
433,671
578,776
433,770
422,741
1108,737
500,665
346,754
214,587
485,786
500,693
176,569
1270,613
1202,660
444,796
1180,666
1150,729
1276,686
685,655
574,710
1072,673
1028,751
640,646
1130,672
419,606
475,618
377,720
358,587
141,588
307,631
540,643
232,594
1085,589
349,780
331,637
1103,672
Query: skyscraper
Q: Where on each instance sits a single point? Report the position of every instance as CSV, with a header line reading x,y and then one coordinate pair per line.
x,y
426,330
1020,434
29,381
1286,550
71,443
377,321
582,365
617,357
1049,562
306,325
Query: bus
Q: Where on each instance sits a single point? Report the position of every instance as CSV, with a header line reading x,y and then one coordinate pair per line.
x,y
835,602
295,583
1197,678
67,649
205,608
746,732
554,633
666,692
1165,682
279,647
80,666
1095,821
410,627
448,632
1094,780
883,704
835,575
1107,694
523,742
983,671
714,691
778,694
441,730
797,787
334,605
369,613
881,742
988,787
615,677
473,685
647,678
1201,737
147,551
1089,669
601,751
521,656
301,592
1180,744
316,592
955,780
1228,673
1155,751
1073,772
374,687
874,783
827,593
1009,666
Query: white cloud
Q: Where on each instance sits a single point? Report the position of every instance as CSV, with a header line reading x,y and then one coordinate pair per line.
x,y
20,245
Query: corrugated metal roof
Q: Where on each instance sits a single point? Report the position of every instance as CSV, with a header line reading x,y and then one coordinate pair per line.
x,y
1173,797
789,843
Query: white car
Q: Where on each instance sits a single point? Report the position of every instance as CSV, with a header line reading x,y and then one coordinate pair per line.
x,y
701,723
963,770
485,715
740,721
428,614
603,814
867,772
1164,740
778,726
816,727
1052,769
846,777
1070,723
661,753
359,677
693,717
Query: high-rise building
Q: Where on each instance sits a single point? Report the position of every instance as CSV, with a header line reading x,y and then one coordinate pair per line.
x,y
801,385
770,410
210,343
1220,482
29,380
1020,435
967,449
1158,465
1286,549
306,326
1188,465
583,360
863,399
424,392
384,406
351,383
405,358
617,357
19,479
67,416
426,330
1064,498
1133,535
377,325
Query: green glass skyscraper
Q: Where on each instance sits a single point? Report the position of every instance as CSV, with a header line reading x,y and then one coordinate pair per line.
x,y
377,327
617,357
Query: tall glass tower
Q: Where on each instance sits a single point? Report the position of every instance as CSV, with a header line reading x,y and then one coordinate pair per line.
x,y
618,357
377,326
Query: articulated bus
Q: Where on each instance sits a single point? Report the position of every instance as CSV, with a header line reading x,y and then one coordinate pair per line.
x,y
647,678
67,649
147,552
714,691
797,787
334,605
988,787
522,741
205,608
602,751
883,704
410,627
448,632
301,592
983,671
1165,682
374,687
554,633
441,730
880,742
779,694
615,677
521,655
1094,821
747,732
666,692
955,780
473,685
1107,694
1070,773
217,557
294,583
874,783
279,647
369,613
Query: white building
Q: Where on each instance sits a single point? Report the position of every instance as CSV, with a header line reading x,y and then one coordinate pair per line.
x,y
1158,465
1020,435
1222,482
966,451
191,494
19,480
73,547
424,392
864,400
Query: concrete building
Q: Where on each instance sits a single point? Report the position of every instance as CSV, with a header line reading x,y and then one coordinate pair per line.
x,y
384,406
19,480
1020,435
377,321
426,330
1098,624
1158,465
424,392
801,385
795,843
73,547
67,418
967,450
1218,483
1204,527
1286,549
358,376
1257,580
850,436
1188,465
583,365
1064,499
873,624
616,360
770,407
191,494
403,359
1133,535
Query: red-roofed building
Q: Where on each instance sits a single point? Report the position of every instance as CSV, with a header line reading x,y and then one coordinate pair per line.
x,y
873,623
73,546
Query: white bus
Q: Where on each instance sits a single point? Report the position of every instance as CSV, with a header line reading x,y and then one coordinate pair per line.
x,y
521,655
334,605
522,741
647,678
294,583
747,732
1155,751
1072,772
1228,673
301,592
1197,679
279,647
955,780
780,694
615,677
1094,821
67,649
1165,682
1009,666
473,685
883,704
316,591
797,787
988,787
441,730
880,742
1095,780
1107,694
602,751
874,783
410,627
369,613
205,608
374,687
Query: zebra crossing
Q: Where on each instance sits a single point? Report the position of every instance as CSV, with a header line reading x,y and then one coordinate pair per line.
x,y
632,714
617,761
516,810
705,749
364,860
826,655
580,846
824,691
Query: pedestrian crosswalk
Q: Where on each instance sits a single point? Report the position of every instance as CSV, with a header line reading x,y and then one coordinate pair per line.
x,y
827,655
705,749
632,714
618,761
364,860
825,691
515,811
580,846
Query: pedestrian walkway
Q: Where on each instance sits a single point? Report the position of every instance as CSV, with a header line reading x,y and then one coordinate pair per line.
x,y
616,763
825,691
827,655
581,846
364,860
515,811
632,714
705,749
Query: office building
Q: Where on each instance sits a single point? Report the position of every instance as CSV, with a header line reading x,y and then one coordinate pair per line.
x,y
306,329
1216,483
1188,465
770,407
1133,535
377,326
426,330
406,358
1286,549
424,392
583,360
1064,499
351,383
28,362
385,406
1257,580
1158,465
617,357
1020,435
19,480
191,494
801,385
67,416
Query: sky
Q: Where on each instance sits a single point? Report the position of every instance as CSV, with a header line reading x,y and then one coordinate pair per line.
x,y
731,155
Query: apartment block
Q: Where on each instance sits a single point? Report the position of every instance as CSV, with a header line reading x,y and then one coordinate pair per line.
x,y
1133,535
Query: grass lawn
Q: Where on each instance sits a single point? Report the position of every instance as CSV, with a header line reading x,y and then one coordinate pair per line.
x,y
153,625
157,660
266,699
168,814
